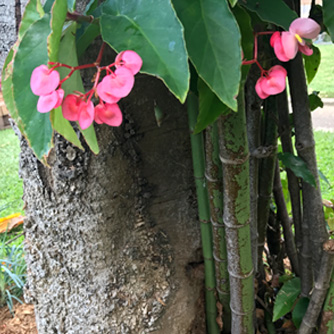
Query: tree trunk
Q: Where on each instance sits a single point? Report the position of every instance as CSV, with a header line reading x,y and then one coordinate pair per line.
x,y
112,241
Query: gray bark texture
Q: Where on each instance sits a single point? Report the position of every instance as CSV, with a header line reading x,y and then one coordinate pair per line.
x,y
112,242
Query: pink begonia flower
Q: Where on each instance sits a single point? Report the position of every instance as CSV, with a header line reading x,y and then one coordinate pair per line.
x,y
103,91
117,84
109,114
44,81
130,60
273,83
75,109
51,101
288,43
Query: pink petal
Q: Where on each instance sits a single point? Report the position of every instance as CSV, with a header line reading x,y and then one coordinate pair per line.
x,y
274,37
86,114
259,90
275,82
42,81
103,89
278,70
120,83
98,109
60,93
130,60
111,114
305,49
71,106
305,28
278,49
47,102
290,44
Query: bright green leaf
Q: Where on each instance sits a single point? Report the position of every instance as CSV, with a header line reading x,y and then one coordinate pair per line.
x,y
299,311
274,11
58,16
67,55
213,43
210,107
315,101
312,63
32,13
298,167
71,5
233,2
328,12
286,298
154,32
31,53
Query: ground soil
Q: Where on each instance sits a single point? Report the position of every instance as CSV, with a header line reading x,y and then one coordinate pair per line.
x,y
22,323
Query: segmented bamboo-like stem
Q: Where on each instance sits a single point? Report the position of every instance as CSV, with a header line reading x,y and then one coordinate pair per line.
x,y
253,115
320,289
283,216
267,168
198,156
327,316
215,187
313,215
235,162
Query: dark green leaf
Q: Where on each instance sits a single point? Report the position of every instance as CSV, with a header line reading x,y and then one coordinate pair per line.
x,y
213,43
312,63
32,13
298,167
31,53
274,11
233,2
315,101
328,12
154,32
71,5
91,6
90,32
299,311
58,16
68,55
210,107
286,298
48,5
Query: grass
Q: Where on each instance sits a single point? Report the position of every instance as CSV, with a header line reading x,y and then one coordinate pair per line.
x,y
11,185
323,80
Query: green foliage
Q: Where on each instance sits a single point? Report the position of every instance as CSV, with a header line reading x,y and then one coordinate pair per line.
x,y
213,42
298,167
315,101
32,13
312,64
286,298
299,311
127,25
328,10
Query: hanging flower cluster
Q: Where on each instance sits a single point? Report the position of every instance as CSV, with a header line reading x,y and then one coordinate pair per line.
x,y
78,106
286,44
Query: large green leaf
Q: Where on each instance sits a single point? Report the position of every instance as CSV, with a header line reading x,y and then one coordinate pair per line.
x,y
154,32
31,53
58,16
213,43
71,5
32,13
67,55
210,107
286,297
298,167
312,63
274,11
299,311
328,11
48,5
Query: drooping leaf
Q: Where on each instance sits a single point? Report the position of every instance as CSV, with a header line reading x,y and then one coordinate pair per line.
x,y
154,32
312,64
58,16
31,53
298,167
213,42
274,11
210,107
286,298
299,311
315,101
67,55
32,13
328,12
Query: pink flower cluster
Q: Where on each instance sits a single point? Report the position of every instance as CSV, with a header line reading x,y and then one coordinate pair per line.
x,y
286,44
78,106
